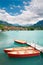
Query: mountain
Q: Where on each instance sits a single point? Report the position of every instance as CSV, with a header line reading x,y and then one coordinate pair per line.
x,y
16,25
8,24
27,25
37,26
4,23
39,23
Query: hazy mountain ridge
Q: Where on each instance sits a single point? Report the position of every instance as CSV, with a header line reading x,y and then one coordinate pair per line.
x,y
39,23
16,24
8,24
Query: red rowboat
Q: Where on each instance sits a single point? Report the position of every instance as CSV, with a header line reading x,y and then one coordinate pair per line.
x,y
20,41
17,49
24,53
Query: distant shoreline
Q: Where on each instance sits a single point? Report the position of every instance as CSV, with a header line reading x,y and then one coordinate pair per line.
x,y
4,27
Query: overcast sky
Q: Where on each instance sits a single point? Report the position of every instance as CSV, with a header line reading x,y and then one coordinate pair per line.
x,y
21,11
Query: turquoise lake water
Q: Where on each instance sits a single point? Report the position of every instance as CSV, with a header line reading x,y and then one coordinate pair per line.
x,y
7,40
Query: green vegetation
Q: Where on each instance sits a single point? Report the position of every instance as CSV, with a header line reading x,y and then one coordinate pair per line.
x,y
5,27
2,27
35,28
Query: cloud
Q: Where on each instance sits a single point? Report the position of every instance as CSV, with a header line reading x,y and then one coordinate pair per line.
x,y
14,6
19,6
32,13
11,8
25,3
21,10
24,18
36,6
3,8
5,16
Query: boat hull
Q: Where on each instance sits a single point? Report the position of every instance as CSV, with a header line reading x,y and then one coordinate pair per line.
x,y
28,53
17,49
25,55
20,41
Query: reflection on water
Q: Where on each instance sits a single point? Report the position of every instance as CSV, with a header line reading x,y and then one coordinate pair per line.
x,y
7,40
5,60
